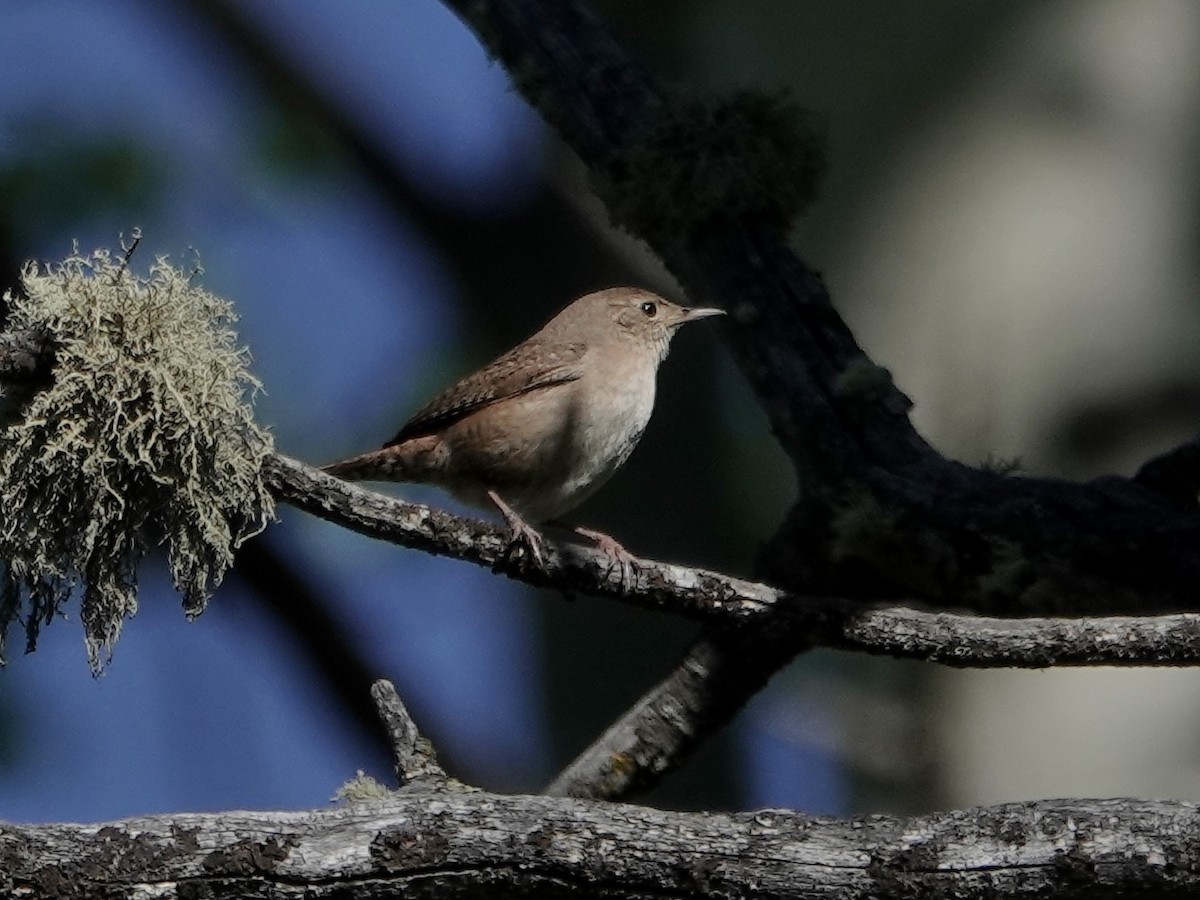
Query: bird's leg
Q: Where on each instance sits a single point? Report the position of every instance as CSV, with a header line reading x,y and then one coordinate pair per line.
x,y
612,549
522,531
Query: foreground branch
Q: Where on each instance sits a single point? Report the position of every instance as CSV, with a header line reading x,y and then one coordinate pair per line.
x,y
448,844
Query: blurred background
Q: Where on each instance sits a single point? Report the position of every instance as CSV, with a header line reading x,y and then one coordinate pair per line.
x,y
1009,223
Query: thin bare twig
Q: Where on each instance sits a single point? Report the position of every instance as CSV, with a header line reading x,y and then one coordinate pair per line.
x,y
415,756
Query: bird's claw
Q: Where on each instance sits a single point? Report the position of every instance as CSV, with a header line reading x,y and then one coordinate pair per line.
x,y
524,536
616,554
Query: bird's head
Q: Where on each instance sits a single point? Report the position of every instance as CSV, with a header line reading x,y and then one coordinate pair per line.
x,y
645,318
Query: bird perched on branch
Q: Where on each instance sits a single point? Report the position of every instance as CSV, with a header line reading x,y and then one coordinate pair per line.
x,y
540,429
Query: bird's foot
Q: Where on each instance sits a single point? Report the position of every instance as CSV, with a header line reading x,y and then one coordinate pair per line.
x,y
618,557
524,535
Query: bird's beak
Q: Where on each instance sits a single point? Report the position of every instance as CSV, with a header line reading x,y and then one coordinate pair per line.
x,y
701,312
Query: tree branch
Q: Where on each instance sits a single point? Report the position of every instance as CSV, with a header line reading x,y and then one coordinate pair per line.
x,y
450,844
568,567
415,757
719,672
846,624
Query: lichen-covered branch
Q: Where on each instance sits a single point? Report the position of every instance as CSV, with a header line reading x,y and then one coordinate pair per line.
x,y
853,624
446,844
143,433
22,353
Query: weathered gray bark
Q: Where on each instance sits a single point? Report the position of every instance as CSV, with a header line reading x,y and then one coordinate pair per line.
x,y
457,844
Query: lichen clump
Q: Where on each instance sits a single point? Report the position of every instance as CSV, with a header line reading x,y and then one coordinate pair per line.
x,y
144,435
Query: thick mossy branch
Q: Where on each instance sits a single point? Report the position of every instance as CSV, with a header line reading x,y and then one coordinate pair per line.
x,y
751,155
143,435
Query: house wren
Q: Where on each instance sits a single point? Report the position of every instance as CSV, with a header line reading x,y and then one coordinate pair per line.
x,y
540,429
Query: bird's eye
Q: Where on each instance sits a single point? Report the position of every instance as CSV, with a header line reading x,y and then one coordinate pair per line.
x,y
650,309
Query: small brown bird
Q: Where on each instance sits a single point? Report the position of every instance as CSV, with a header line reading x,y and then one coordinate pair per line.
x,y
540,429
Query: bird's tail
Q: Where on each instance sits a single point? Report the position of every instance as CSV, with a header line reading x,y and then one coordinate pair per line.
x,y
417,459
377,465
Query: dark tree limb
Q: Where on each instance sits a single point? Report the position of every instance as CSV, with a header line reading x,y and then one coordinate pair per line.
x,y
1174,474
451,844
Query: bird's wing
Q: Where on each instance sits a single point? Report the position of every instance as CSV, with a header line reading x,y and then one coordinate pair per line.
x,y
527,367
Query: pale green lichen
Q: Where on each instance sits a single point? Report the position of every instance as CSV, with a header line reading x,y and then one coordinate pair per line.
x,y
362,788
144,435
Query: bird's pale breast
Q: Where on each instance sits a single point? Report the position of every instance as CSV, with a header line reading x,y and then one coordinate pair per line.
x,y
547,451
